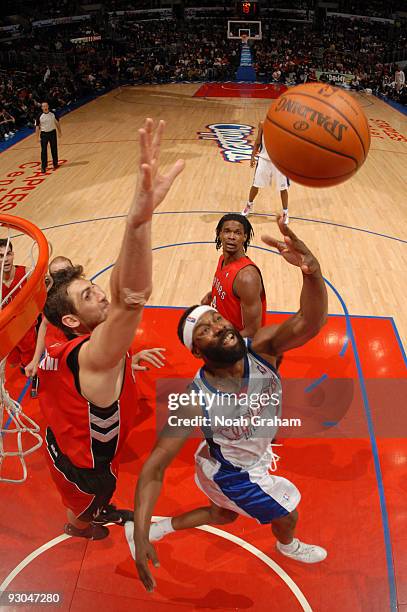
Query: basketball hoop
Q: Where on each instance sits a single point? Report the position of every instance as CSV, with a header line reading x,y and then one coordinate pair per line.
x,y
16,318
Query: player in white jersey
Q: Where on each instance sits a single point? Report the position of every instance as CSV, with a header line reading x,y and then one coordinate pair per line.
x,y
264,174
238,382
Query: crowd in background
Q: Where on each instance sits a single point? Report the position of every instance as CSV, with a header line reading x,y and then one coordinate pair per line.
x,y
43,9
45,64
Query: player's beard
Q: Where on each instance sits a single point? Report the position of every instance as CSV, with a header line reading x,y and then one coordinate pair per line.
x,y
89,322
226,354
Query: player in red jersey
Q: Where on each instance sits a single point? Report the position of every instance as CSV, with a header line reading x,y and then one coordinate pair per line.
x,y
12,282
47,334
87,388
237,290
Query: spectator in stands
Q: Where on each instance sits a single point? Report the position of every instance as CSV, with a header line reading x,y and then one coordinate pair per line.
x,y
160,51
399,79
276,75
7,124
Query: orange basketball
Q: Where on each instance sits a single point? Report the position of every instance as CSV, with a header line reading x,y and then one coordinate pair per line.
x,y
317,135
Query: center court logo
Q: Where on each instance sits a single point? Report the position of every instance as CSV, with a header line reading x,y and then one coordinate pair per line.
x,y
232,139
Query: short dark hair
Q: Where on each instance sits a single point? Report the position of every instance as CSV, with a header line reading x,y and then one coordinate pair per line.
x,y
185,314
58,302
49,278
3,243
247,226
59,259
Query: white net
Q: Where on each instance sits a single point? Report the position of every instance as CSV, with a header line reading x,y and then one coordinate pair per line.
x,y
19,434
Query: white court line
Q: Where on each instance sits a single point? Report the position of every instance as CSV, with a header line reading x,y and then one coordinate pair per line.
x,y
298,594
296,591
36,553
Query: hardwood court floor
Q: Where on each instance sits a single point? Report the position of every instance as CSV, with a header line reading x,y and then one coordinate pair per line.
x,y
357,229
359,232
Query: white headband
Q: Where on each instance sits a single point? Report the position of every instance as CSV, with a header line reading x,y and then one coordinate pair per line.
x,y
191,321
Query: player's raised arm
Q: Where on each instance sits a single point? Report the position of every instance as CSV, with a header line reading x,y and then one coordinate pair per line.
x,y
307,322
131,279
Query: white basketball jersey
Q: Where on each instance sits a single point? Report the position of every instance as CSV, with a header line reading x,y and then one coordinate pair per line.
x,y
263,151
241,424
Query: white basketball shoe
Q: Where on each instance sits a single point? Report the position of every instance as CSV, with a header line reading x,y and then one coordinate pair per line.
x,y
248,209
305,553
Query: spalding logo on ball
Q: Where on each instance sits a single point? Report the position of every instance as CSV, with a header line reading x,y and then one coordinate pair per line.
x,y
317,135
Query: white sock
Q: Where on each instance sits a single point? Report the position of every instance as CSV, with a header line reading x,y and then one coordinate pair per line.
x,y
129,530
289,548
157,532
249,203
166,525
160,529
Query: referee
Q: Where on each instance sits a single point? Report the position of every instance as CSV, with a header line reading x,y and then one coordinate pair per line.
x,y
46,129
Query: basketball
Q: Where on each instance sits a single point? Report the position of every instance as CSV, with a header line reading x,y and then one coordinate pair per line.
x,y
317,135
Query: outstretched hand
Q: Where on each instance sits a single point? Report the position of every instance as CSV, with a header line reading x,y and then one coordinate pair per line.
x,y
145,552
152,356
152,185
293,249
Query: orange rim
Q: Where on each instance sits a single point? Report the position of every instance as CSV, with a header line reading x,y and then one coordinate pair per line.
x,y
18,316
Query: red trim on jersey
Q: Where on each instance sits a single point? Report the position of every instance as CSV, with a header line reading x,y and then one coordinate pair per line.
x,y
72,496
223,298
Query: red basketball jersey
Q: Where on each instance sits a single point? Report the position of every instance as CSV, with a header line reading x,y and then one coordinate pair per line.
x,y
87,435
24,351
54,335
20,272
223,298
